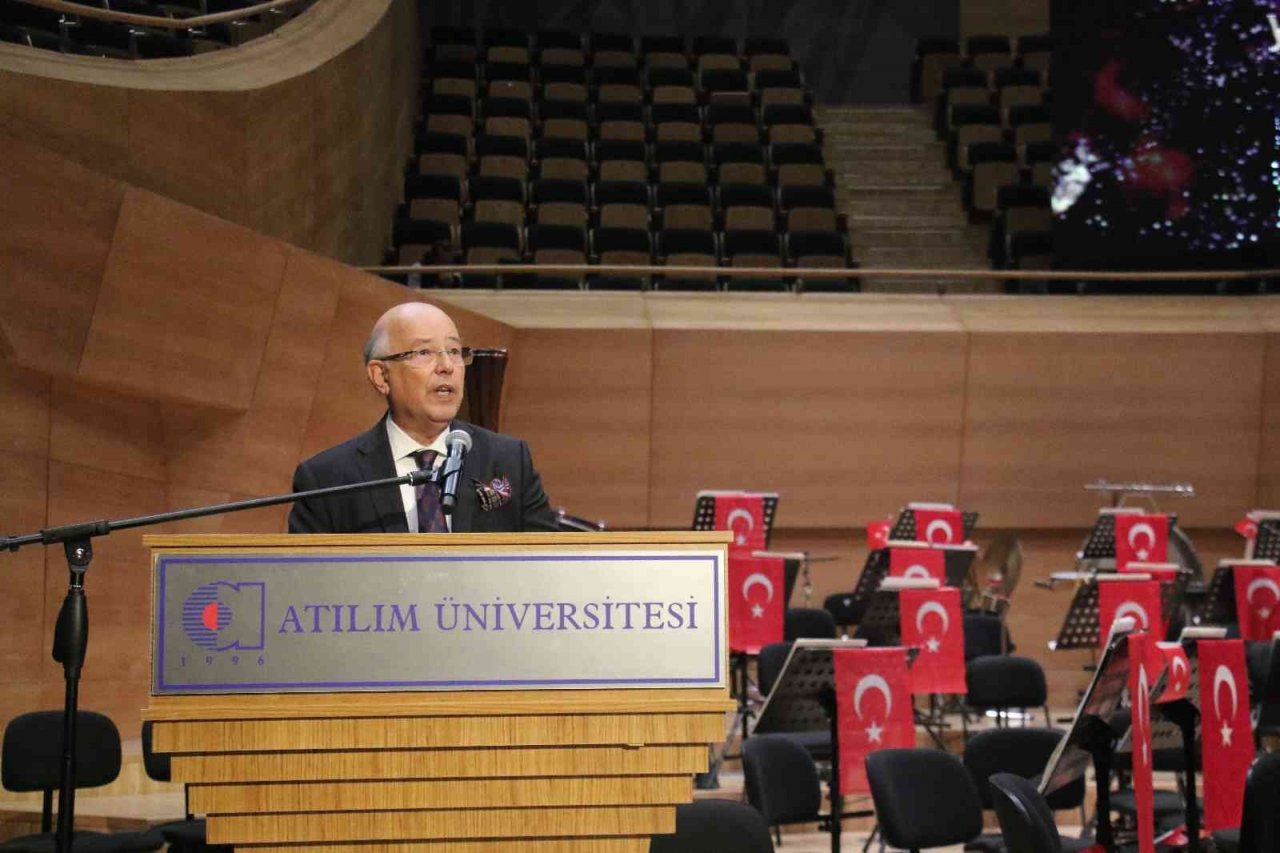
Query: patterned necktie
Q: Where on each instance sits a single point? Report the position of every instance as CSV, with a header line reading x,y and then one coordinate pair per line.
x,y
430,511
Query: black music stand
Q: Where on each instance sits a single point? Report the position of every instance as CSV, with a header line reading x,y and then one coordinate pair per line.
x,y
1266,545
1101,543
873,573
804,700
704,509
1268,722
1090,738
1080,624
905,525
1220,603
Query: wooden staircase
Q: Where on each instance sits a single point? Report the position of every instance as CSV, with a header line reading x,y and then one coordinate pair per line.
x,y
903,206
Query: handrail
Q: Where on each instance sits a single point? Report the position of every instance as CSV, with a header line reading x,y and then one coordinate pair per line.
x,y
155,21
819,273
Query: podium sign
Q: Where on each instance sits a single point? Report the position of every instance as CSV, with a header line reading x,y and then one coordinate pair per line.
x,y
263,621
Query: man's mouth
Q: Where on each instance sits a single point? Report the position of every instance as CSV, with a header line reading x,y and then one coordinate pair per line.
x,y
444,392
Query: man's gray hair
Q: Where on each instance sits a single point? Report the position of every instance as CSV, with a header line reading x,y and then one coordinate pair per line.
x,y
377,338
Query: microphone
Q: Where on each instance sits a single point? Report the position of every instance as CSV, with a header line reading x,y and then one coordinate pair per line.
x,y
458,442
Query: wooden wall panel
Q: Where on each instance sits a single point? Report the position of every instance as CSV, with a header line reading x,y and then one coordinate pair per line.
x,y
581,398
1047,412
1269,453
168,328
59,219
819,416
106,431
79,119
1003,17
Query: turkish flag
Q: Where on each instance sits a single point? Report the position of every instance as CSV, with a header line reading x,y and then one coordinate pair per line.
x,y
932,622
1257,601
1144,538
1248,527
939,526
918,563
1226,732
873,709
744,515
1139,600
878,534
1140,646
1175,658
756,608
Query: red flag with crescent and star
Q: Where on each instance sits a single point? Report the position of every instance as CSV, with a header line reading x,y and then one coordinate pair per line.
x,y
1226,731
1144,538
1257,601
873,709
923,563
1138,600
939,526
756,608
744,516
931,621
1179,679
1248,527
878,534
1140,644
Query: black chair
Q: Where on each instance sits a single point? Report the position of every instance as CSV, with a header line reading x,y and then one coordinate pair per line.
x,y
1003,683
182,836
808,623
924,798
714,44
715,826
840,606
982,635
781,780
769,665
1260,823
32,761
1026,822
1023,752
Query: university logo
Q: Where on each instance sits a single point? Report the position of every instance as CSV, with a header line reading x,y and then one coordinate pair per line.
x,y
220,616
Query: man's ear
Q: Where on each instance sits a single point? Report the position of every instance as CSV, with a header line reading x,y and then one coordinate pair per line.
x,y
377,373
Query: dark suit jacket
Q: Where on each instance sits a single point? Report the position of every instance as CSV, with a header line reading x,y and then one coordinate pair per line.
x,y
368,457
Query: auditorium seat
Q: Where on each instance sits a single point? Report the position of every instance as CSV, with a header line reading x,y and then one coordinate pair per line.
x,y
732,123
443,154
564,83
727,85
991,166
559,48
507,117
621,246
564,119
554,244
739,163
671,86
676,122
560,202
1019,208
933,57
817,249
620,121
622,204
684,206
489,243
1030,123
971,124
924,798
453,78
453,44
687,247
415,240
680,162
746,207
988,52
765,53
621,160
502,156
790,123
435,197
961,88
759,249
497,200
798,164
1030,250
1036,52
1038,160
617,84
508,80
779,87
562,159
810,209
612,50
663,51
1004,683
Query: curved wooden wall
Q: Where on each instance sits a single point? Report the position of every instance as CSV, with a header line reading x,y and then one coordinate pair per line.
x,y
157,357
301,134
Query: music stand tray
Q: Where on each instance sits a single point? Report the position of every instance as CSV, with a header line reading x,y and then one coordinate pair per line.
x,y
1220,604
1080,624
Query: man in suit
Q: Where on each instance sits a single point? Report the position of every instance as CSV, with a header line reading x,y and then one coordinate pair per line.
x,y
415,359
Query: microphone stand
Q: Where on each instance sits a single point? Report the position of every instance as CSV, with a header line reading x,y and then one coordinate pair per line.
x,y
71,632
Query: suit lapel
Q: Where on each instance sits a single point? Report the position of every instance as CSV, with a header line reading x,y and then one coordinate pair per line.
x,y
473,467
376,463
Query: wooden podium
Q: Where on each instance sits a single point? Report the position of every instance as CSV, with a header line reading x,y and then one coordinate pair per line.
x,y
572,762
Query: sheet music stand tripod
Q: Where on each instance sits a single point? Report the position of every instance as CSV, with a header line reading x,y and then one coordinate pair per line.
x,y
804,700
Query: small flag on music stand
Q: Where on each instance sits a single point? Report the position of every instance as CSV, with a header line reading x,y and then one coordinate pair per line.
x,y
917,561
756,602
1257,601
1144,538
878,534
939,526
1226,731
932,621
743,514
1137,599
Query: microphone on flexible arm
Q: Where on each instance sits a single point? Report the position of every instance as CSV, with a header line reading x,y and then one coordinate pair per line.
x,y
458,443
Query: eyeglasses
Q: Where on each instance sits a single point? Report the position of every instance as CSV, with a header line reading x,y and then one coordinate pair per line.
x,y
455,355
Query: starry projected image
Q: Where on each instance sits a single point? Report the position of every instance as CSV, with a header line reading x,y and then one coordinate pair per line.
x,y
1169,115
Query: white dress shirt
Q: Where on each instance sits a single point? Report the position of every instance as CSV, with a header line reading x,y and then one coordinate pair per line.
x,y
403,447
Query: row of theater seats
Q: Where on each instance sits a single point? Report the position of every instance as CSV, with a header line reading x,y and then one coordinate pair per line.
x,y
35,26
697,140
987,53
501,243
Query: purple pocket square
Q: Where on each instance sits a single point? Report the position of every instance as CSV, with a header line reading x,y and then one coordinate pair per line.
x,y
493,494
